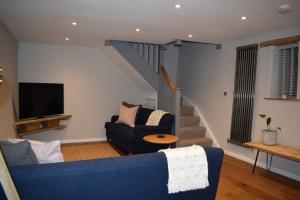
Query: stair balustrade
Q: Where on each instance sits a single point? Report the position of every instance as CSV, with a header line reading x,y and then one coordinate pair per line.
x,y
146,58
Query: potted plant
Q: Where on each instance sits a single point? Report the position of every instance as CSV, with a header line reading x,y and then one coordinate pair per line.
x,y
268,135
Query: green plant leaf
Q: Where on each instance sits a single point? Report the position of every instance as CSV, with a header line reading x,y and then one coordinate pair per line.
x,y
279,128
268,121
262,115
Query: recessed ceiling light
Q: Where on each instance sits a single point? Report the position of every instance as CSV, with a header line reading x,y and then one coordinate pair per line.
x,y
177,5
190,35
137,30
284,8
74,23
243,18
67,39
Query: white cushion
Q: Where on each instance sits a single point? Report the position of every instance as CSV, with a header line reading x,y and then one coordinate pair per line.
x,y
46,152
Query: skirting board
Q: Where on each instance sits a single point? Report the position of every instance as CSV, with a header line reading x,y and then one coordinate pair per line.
x,y
83,140
262,165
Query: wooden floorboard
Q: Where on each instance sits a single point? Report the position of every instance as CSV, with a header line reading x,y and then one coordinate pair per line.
x,y
236,181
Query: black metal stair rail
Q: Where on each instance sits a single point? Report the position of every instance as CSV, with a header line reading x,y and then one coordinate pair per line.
x,y
243,97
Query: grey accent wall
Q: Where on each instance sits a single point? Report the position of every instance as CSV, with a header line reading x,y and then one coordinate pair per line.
x,y
8,89
206,73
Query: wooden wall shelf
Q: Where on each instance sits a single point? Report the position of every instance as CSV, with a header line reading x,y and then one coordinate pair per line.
x,y
31,126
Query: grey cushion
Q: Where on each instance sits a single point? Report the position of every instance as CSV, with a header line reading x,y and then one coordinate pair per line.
x,y
19,153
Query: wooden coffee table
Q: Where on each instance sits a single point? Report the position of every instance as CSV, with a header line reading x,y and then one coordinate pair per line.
x,y
167,139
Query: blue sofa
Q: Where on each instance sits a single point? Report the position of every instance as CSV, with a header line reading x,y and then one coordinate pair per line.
x,y
138,177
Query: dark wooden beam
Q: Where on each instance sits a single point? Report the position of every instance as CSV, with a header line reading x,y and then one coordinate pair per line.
x,y
281,41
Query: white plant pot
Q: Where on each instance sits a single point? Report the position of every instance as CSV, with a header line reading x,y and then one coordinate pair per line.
x,y
269,137
284,96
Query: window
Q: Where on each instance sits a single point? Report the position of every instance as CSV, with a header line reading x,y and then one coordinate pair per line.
x,y
285,73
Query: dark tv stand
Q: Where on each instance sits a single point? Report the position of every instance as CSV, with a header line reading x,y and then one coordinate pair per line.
x,y
31,126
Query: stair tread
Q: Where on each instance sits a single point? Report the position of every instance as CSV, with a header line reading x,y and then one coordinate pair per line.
x,y
189,117
195,138
192,128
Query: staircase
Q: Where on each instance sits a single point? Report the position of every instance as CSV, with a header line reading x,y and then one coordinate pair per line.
x,y
146,59
191,132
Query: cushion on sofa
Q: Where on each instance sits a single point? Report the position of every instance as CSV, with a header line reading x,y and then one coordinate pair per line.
x,y
46,152
128,105
18,154
127,115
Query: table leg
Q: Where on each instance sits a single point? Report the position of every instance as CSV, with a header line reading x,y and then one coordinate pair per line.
x,y
270,162
267,161
173,145
255,161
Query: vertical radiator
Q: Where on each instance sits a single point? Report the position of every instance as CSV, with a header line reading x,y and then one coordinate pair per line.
x,y
243,96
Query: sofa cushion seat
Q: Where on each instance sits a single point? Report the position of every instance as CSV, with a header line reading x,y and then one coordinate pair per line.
x,y
122,131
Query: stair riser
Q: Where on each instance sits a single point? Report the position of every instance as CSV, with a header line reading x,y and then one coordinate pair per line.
x,y
189,121
188,134
187,111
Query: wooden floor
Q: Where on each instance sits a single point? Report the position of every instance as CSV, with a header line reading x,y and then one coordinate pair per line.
x,y
236,182
87,151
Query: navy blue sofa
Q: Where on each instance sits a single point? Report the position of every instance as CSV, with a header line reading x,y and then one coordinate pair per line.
x,y
129,140
137,177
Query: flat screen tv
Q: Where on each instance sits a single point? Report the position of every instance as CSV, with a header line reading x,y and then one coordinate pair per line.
x,y
38,100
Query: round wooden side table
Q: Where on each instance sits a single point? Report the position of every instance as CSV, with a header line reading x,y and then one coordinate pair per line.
x,y
164,139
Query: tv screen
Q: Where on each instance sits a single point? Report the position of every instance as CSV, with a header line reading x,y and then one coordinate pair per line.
x,y
40,99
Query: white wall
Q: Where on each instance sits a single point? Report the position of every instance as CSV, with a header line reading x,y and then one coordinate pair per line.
x,y
8,89
171,56
94,85
205,73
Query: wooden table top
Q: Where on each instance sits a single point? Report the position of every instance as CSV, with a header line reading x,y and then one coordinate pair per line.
x,y
278,150
168,139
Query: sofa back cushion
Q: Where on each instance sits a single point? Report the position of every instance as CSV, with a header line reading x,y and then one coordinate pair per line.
x,y
167,120
143,115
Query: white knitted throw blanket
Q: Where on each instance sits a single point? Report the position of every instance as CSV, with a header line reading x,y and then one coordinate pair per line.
x,y
188,169
155,117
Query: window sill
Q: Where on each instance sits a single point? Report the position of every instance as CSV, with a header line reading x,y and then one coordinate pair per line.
x,y
281,99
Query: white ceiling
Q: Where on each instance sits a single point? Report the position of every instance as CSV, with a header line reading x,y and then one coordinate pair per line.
x,y
49,21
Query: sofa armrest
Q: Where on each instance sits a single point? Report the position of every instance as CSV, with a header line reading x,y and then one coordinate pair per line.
x,y
142,131
114,118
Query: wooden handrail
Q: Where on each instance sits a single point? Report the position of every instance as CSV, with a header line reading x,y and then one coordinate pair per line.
x,y
168,79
